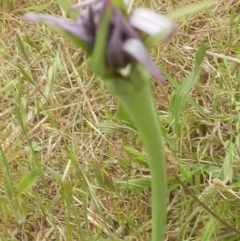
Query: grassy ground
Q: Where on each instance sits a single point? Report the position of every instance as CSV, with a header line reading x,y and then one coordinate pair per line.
x,y
62,154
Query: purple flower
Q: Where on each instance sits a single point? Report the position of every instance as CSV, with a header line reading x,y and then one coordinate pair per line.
x,y
125,32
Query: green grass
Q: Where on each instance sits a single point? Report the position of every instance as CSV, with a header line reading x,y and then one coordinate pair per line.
x,y
72,170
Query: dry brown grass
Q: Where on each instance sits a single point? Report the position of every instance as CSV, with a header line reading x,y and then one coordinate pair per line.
x,y
63,126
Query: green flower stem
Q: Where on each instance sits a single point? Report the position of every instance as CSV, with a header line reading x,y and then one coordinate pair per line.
x,y
135,94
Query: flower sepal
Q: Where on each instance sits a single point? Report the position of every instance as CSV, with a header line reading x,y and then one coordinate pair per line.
x,y
65,27
155,27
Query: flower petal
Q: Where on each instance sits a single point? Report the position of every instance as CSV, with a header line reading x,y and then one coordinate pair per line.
x,y
120,31
115,57
86,18
85,4
152,23
137,50
76,29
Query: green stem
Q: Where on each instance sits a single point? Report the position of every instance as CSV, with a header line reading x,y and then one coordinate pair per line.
x,y
135,95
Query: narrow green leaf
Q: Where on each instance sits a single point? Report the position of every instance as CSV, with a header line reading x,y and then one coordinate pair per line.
x,y
27,181
108,127
227,168
66,170
137,156
178,100
32,44
26,75
67,194
213,170
20,116
56,175
53,69
199,56
190,9
8,188
22,48
7,86
186,173
51,78
194,104
189,99
102,178
238,82
8,184
137,185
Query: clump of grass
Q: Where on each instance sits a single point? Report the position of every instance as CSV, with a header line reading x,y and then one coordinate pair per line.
x,y
51,110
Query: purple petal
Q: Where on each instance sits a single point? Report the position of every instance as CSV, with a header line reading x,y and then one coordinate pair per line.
x,y
115,57
118,19
137,50
86,3
76,29
86,18
152,23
